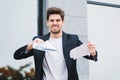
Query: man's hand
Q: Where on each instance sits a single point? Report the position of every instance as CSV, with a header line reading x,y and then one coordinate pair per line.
x,y
91,48
30,45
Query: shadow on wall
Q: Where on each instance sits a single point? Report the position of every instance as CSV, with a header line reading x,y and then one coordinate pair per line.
x,y
9,73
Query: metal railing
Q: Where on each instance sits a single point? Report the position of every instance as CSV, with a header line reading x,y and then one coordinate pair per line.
x,y
103,4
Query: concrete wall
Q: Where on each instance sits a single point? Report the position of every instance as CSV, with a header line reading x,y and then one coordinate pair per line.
x,y
75,23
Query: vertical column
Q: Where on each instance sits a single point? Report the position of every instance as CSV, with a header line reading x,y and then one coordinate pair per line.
x,y
40,17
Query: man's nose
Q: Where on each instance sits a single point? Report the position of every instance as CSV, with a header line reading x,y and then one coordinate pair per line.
x,y
55,22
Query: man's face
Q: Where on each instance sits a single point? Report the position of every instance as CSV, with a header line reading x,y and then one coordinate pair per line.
x,y
55,23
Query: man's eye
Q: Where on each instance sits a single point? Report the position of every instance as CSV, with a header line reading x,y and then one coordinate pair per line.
x,y
58,20
51,20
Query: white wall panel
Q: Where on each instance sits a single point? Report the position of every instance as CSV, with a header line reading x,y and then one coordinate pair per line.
x,y
18,25
104,30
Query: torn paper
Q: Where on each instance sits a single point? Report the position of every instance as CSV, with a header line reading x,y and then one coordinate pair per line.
x,y
46,46
79,51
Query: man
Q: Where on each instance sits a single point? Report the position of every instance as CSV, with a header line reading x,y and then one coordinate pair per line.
x,y
55,65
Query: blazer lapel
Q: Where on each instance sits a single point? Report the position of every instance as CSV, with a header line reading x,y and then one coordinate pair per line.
x,y
46,37
64,39
65,49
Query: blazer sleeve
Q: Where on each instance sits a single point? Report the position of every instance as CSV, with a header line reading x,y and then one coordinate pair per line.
x,y
92,57
21,53
88,57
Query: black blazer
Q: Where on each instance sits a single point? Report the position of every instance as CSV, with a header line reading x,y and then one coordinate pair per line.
x,y
69,42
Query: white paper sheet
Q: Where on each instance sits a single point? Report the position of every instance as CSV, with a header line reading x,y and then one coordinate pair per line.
x,y
75,53
46,46
79,51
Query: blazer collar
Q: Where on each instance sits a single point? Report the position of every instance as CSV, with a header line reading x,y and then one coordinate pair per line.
x,y
46,37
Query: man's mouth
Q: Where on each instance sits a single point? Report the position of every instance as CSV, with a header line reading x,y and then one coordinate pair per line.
x,y
55,26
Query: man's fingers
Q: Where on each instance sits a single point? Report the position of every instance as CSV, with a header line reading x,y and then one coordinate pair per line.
x,y
91,48
37,40
29,46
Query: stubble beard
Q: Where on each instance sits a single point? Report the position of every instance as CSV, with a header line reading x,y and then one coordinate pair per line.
x,y
55,32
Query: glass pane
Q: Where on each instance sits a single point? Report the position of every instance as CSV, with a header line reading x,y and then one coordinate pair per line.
x,y
104,30
18,25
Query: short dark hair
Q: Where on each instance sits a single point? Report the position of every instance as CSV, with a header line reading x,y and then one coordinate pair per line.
x,y
55,10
